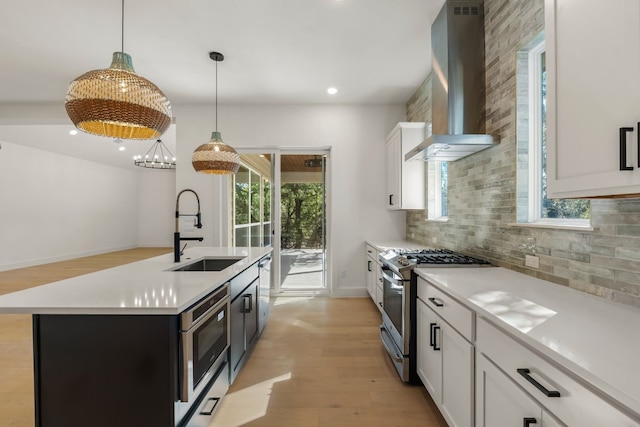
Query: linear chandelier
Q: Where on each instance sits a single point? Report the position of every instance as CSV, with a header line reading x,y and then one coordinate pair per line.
x,y
216,157
116,102
157,157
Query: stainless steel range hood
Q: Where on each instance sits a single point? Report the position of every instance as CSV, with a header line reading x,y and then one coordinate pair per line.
x,y
458,84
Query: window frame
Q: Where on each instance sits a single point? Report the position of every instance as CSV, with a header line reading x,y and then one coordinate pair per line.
x,y
532,214
435,206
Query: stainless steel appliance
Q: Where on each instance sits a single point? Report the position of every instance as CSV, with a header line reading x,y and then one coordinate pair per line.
x,y
204,331
399,300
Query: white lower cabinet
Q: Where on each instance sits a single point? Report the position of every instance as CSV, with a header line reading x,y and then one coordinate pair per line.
x,y
541,381
444,362
502,403
429,360
374,279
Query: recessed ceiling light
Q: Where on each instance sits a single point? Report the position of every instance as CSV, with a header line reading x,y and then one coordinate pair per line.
x,y
122,148
73,132
332,91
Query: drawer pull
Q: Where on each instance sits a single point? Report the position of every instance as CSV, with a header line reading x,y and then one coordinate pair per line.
x,y
209,411
549,393
437,302
528,421
369,266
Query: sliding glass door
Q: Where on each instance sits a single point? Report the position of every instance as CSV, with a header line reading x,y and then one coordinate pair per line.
x,y
303,239
279,199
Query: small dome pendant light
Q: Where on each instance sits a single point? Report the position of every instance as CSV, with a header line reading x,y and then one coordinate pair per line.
x,y
117,103
216,157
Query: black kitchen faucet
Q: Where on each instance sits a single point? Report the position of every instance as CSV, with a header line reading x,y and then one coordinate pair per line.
x,y
177,252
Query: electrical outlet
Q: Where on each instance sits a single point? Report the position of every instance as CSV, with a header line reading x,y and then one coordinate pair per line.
x,y
434,240
412,235
532,261
343,274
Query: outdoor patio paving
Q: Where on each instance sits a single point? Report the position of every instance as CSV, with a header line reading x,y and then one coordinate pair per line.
x,y
301,269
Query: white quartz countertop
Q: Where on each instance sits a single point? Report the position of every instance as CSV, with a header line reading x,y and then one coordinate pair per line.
x,y
143,287
395,244
597,340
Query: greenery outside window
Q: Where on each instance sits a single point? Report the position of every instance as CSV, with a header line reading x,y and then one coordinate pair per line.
x,y
534,207
252,219
437,179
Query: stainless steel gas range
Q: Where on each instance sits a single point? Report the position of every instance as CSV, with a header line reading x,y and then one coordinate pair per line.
x,y
397,330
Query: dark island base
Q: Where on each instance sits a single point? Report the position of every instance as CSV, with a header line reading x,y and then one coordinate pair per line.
x,y
102,370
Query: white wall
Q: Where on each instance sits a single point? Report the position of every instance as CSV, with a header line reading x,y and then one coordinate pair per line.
x,y
356,136
157,205
55,207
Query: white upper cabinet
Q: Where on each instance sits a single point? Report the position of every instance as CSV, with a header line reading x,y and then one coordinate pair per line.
x,y
405,180
593,98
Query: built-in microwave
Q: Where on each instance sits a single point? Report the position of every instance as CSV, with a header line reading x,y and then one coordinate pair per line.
x,y
204,330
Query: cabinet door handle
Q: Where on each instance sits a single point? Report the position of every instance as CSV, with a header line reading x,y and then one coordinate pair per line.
x,y
431,338
437,302
528,421
623,148
369,266
247,309
525,372
436,328
391,197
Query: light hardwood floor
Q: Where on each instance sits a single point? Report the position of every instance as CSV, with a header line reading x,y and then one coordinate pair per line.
x,y
319,362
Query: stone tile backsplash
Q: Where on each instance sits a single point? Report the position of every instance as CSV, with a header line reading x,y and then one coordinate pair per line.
x,y
482,188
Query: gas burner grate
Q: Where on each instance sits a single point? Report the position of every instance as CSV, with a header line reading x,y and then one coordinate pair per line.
x,y
443,256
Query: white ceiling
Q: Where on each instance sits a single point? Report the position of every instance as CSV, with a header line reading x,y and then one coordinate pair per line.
x,y
276,51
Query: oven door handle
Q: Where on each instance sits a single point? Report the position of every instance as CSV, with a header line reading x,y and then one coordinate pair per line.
x,y
388,345
394,282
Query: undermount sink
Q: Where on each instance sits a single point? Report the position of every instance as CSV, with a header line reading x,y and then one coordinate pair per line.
x,y
209,264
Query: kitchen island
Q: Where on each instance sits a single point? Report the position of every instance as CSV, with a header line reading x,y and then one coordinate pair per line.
x,y
107,344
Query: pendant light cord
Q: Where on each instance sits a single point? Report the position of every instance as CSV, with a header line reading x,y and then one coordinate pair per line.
x,y
122,28
216,96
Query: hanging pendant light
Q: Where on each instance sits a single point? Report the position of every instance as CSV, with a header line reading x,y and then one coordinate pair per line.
x,y
117,103
157,157
216,157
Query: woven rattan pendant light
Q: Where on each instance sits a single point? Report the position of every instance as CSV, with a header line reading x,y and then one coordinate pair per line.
x,y
117,103
216,157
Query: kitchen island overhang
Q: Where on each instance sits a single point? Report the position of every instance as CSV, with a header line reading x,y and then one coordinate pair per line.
x,y
147,287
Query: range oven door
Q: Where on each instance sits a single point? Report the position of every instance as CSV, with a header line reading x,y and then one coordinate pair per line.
x,y
204,341
394,331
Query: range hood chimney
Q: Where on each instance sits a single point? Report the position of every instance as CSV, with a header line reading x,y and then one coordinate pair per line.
x,y
458,84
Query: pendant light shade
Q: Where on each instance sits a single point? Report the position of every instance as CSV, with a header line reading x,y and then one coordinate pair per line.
x,y
117,103
216,157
